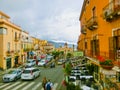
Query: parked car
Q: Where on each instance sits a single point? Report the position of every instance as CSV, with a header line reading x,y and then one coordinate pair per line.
x,y
30,73
12,75
41,63
52,65
60,62
31,62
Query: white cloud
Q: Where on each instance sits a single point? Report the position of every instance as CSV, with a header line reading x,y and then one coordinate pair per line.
x,y
46,19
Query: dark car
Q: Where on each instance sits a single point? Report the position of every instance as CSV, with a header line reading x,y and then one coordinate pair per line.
x,y
52,65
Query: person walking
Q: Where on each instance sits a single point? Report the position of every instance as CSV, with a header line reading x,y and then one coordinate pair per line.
x,y
49,85
44,81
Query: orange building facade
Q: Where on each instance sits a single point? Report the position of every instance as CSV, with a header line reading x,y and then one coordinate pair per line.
x,y
100,31
10,44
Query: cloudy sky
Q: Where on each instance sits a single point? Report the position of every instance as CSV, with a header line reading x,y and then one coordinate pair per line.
x,y
46,19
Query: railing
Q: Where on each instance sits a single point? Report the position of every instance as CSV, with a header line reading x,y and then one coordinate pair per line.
x,y
106,55
111,10
92,23
111,85
83,29
17,39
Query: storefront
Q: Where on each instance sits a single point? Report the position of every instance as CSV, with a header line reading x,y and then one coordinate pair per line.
x,y
16,60
8,62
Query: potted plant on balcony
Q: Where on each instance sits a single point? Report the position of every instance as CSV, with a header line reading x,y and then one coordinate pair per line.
x,y
106,63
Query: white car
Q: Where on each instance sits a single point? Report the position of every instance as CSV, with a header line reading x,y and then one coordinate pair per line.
x,y
30,73
12,75
41,63
31,62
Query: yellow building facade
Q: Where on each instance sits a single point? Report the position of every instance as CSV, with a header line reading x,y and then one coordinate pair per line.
x,y
10,46
100,30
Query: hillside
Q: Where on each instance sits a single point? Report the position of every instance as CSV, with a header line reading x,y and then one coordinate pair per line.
x,y
58,44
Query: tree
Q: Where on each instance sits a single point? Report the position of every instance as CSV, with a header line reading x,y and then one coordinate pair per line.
x,y
68,68
69,55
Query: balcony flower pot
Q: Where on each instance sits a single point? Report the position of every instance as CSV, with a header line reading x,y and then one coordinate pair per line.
x,y
107,67
107,64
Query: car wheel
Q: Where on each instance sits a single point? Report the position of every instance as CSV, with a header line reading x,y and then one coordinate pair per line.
x,y
15,79
33,78
39,75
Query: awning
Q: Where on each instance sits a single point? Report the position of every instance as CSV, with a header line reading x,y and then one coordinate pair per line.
x,y
116,68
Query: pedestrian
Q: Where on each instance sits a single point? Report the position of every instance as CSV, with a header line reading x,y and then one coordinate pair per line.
x,y
44,81
49,85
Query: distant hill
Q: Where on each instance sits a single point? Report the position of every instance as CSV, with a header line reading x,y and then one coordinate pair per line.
x,y
58,44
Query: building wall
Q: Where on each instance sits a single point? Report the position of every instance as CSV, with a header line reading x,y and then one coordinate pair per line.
x,y
104,30
8,36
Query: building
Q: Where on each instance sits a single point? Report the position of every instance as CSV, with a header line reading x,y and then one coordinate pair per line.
x,y
26,46
100,26
10,44
49,48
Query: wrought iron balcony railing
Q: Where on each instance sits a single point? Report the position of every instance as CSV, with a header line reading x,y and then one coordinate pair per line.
x,y
106,55
92,23
112,10
83,29
17,39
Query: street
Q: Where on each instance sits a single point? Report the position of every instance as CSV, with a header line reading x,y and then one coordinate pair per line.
x,y
54,74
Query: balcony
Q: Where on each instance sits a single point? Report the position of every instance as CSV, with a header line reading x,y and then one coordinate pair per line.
x,y
106,55
92,23
17,52
83,29
8,53
16,39
111,11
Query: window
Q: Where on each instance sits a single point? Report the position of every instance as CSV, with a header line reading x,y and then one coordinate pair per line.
x,y
94,11
85,45
3,30
8,46
88,1
15,35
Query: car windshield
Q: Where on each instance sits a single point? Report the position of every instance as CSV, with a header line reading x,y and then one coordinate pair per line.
x,y
29,61
12,72
26,71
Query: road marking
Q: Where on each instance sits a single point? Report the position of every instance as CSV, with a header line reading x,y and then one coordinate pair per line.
x,y
23,83
4,85
8,88
35,87
54,86
26,88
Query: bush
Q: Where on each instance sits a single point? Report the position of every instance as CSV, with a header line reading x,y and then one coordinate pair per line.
x,y
73,87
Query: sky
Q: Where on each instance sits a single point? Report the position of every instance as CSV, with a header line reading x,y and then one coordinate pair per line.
x,y
56,20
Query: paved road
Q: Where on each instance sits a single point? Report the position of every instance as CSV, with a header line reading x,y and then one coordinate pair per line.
x,y
55,74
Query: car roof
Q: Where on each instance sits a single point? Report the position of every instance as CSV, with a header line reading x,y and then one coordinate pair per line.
x,y
31,68
30,59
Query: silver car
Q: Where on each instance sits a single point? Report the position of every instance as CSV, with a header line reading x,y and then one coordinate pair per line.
x,y
12,75
31,62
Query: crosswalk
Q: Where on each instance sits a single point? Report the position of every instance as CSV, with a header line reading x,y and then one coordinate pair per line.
x,y
24,86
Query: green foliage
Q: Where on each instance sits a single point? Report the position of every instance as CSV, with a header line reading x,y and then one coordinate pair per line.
x,y
55,54
73,87
69,55
90,68
107,62
68,68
